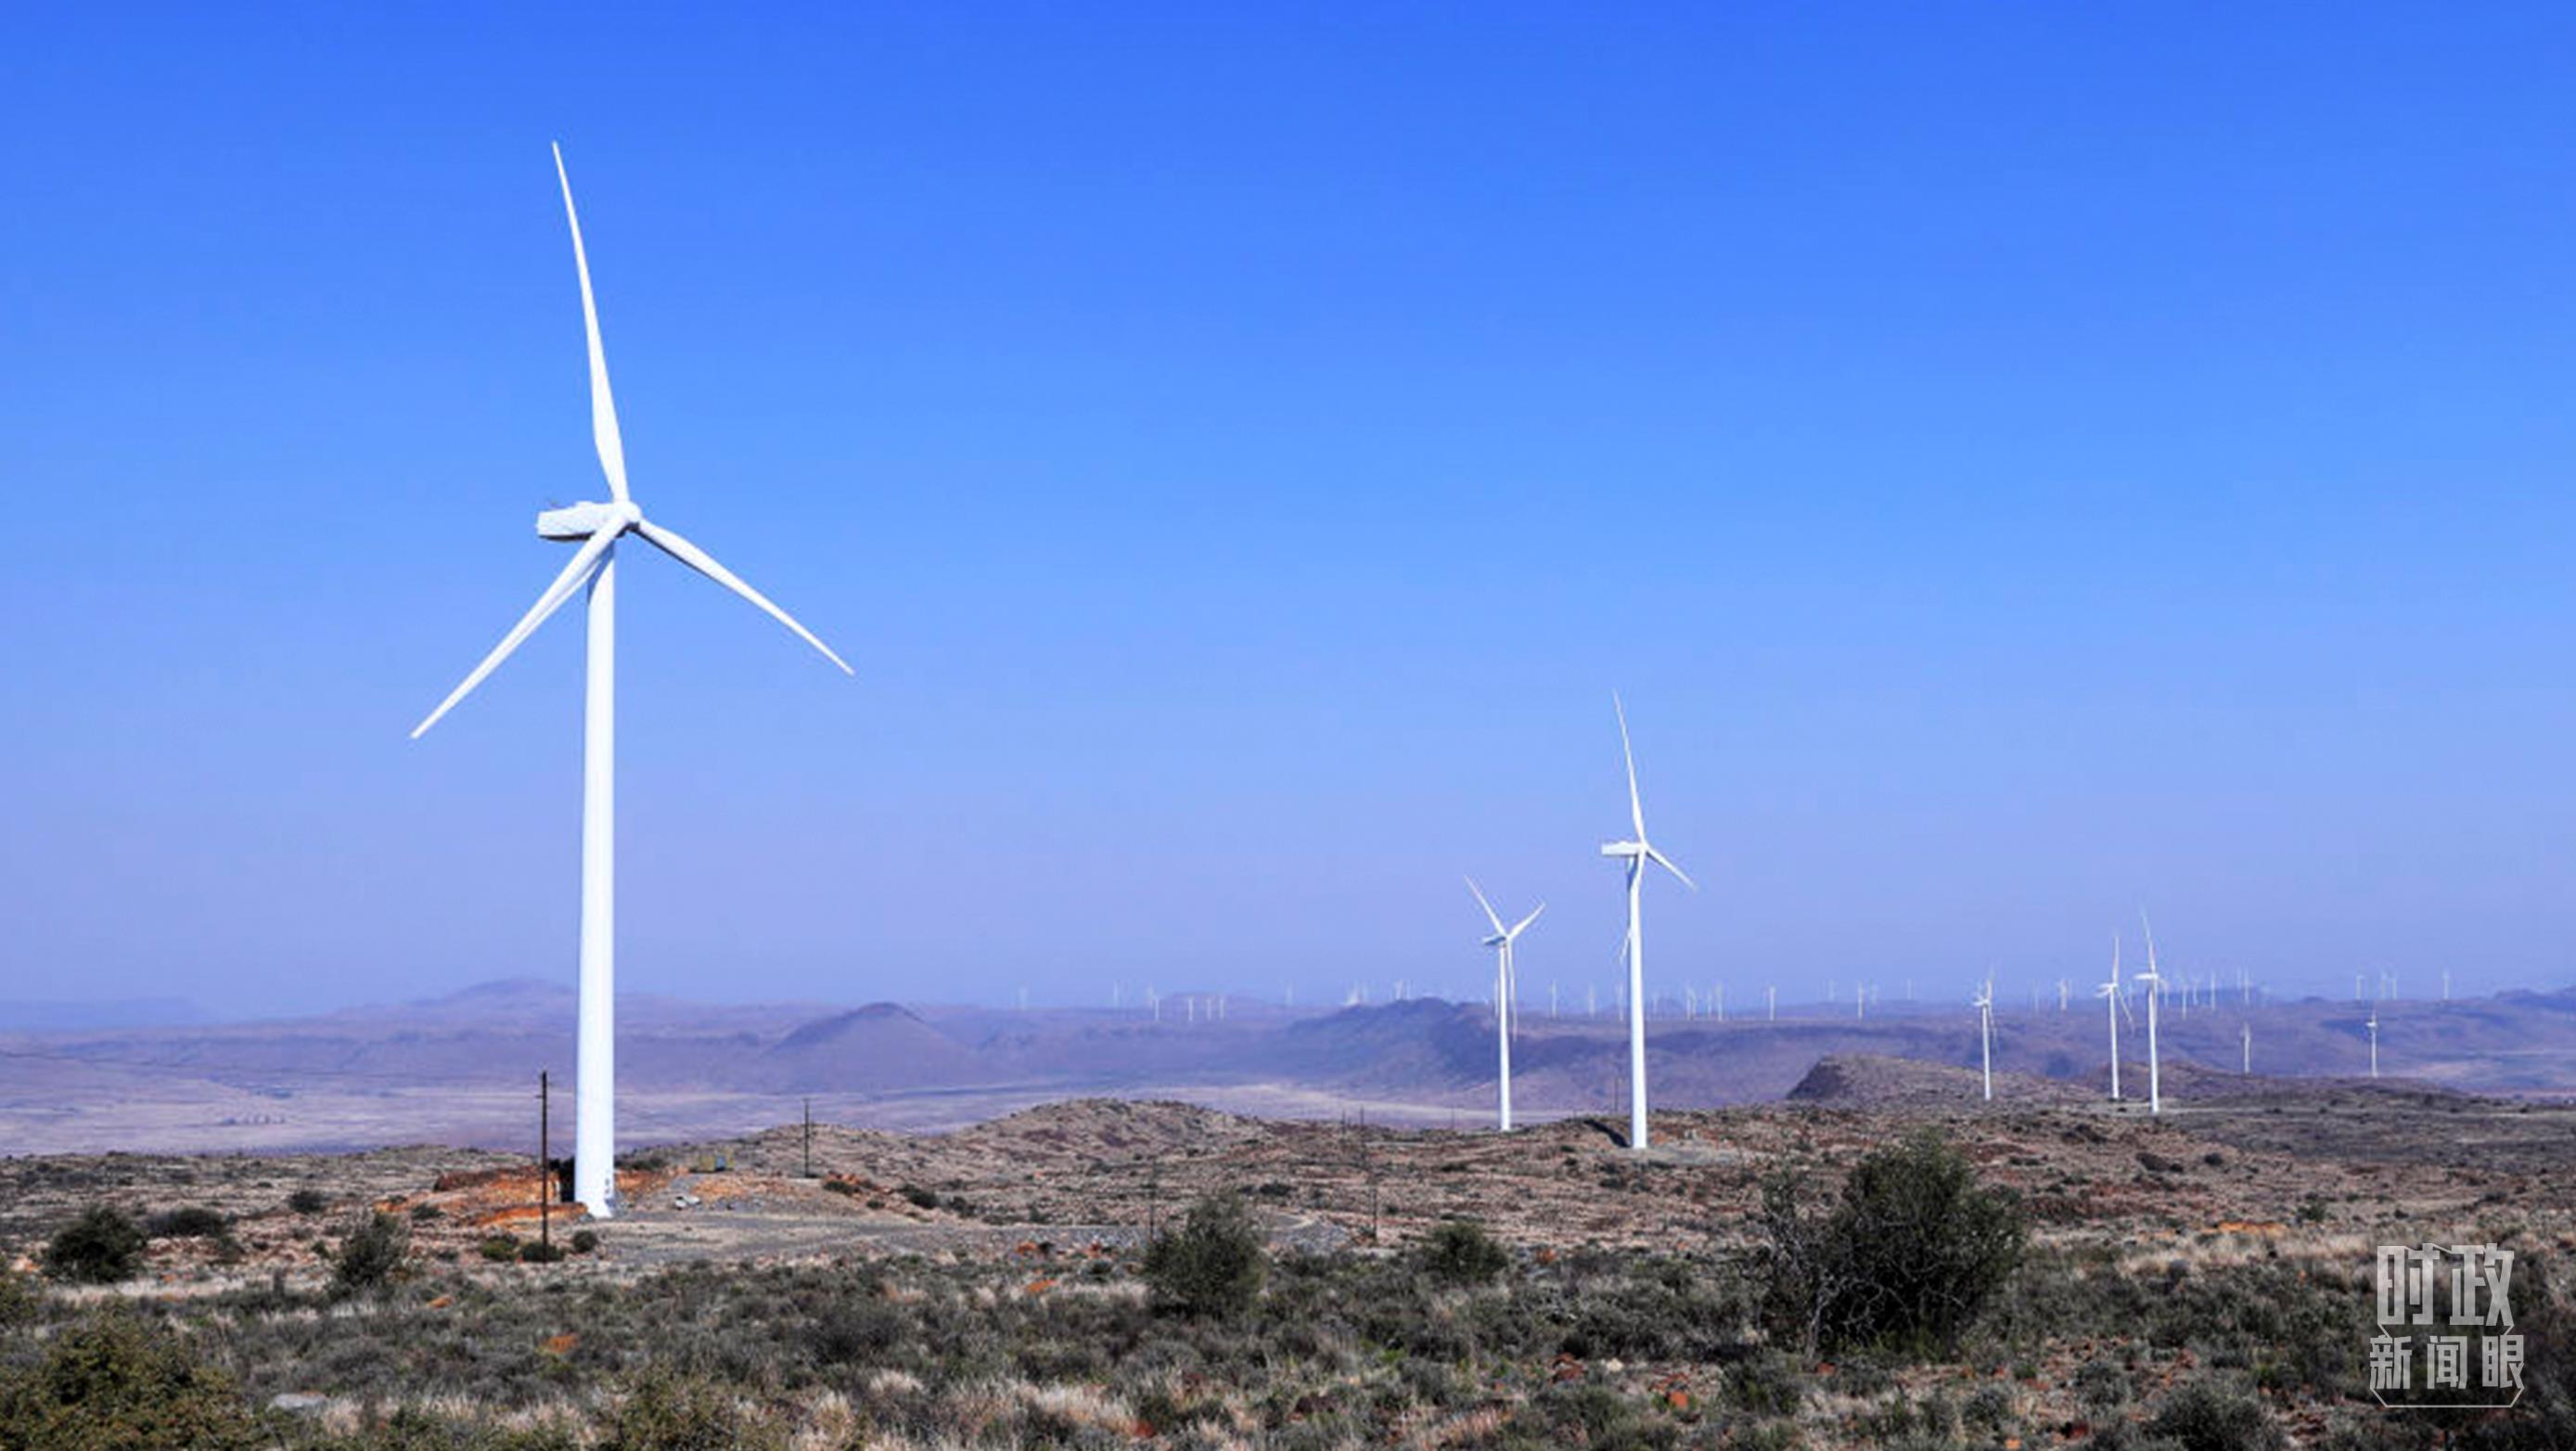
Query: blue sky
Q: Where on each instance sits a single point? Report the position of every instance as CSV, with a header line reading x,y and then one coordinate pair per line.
x,y
2020,462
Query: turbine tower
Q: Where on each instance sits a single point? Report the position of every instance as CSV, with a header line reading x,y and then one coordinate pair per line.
x,y
1636,854
1507,994
2373,1025
1984,1003
2113,1005
599,526
2155,986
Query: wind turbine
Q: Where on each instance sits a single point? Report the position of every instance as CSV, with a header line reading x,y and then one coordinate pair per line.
x,y
2373,1025
1506,994
2114,1003
2246,1032
1636,854
599,527
1984,1003
2155,985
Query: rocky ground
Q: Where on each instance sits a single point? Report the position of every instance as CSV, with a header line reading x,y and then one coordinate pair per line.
x,y
2233,1179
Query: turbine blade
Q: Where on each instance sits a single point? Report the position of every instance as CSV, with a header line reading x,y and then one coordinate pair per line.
x,y
1490,915
574,576
1636,804
1667,864
603,409
1523,925
705,563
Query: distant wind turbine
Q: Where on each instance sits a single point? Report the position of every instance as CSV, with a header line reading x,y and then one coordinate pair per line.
x,y
1506,996
2114,1004
1984,1002
2246,1032
1636,854
2155,986
2373,1025
599,527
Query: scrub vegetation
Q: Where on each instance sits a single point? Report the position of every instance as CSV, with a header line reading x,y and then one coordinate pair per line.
x,y
1917,1294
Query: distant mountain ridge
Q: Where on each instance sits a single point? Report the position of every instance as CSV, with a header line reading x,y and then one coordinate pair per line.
x,y
1426,1057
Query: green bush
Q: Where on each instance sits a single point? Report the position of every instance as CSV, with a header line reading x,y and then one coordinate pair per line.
x,y
113,1384
2206,1417
1911,1255
501,1249
371,1253
308,1201
584,1241
99,1248
196,1221
427,1214
1460,1252
19,1299
538,1252
1211,1266
664,1412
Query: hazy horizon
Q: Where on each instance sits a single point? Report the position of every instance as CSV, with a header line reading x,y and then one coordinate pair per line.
x,y
2019,467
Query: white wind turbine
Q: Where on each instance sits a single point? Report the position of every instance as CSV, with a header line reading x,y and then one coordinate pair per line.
x,y
599,526
2373,1025
2155,987
1984,1003
1636,854
2114,1004
1507,984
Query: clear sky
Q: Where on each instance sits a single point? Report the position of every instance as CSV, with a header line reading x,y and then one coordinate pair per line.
x,y
2020,463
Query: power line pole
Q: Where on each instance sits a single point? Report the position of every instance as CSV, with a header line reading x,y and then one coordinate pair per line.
x,y
545,1163
809,1136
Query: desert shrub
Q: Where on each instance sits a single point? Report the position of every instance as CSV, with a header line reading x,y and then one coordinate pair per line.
x,y
1588,1415
99,1248
1211,1266
1768,1384
499,1248
195,1221
1908,1258
409,1428
19,1299
2102,1385
427,1214
918,1197
2545,1317
308,1201
371,1252
2203,1416
666,1412
855,1331
539,1252
1460,1252
112,1384
584,1241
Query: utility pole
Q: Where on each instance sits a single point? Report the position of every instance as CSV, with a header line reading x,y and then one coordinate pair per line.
x,y
809,1136
545,1163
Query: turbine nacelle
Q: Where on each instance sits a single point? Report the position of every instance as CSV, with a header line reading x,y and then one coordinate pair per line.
x,y
1629,849
582,520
